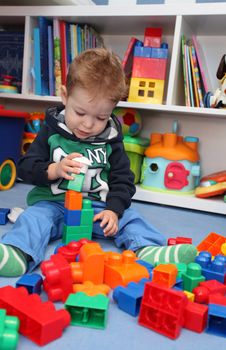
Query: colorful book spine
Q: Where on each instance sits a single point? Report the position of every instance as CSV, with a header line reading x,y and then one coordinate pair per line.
x,y
37,62
195,88
186,92
51,61
63,47
200,63
57,56
189,76
197,77
43,30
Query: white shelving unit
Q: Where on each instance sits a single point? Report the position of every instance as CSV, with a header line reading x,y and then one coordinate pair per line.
x,y
117,26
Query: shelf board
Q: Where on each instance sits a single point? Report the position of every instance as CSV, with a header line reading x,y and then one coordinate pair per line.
x,y
213,205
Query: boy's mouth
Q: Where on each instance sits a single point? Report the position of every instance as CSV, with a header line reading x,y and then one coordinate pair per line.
x,y
83,133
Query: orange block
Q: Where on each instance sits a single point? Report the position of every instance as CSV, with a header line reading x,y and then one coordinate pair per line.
x,y
165,275
120,269
90,266
212,244
73,200
89,288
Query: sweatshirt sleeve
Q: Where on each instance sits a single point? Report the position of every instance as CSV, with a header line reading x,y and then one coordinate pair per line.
x,y
32,167
120,181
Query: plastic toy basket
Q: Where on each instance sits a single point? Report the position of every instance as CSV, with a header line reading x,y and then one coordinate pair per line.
x,y
11,134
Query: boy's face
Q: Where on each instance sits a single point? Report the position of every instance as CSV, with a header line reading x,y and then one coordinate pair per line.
x,y
86,116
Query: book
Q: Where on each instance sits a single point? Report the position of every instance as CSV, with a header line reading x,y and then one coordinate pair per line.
x,y
127,61
43,24
37,62
185,74
51,62
11,55
195,88
63,48
57,56
187,57
200,60
197,77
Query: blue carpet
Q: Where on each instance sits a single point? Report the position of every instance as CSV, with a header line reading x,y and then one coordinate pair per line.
x,y
122,330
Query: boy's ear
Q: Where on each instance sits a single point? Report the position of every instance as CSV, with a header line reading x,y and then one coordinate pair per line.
x,y
64,96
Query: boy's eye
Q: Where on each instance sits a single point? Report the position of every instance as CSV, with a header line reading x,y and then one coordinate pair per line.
x,y
80,113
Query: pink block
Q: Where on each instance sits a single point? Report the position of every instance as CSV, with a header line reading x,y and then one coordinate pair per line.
x,y
150,68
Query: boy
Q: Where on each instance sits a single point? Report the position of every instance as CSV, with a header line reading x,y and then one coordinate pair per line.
x,y
84,126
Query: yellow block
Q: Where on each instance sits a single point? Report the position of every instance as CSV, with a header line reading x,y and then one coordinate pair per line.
x,y
146,90
189,295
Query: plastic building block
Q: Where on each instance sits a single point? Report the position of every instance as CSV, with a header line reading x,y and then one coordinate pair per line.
x,y
189,295
195,317
120,269
149,68
205,289
212,269
152,37
212,184
160,52
32,282
75,233
165,275
90,266
192,277
3,215
39,321
91,289
181,268
9,326
129,298
162,309
77,183
73,200
88,311
148,266
212,243
71,250
72,217
179,240
58,281
87,213
143,51
146,90
216,320
217,299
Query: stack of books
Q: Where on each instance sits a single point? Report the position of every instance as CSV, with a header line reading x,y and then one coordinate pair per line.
x,y
55,44
194,74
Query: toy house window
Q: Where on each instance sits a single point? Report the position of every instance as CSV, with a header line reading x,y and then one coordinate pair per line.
x,y
150,93
142,83
151,84
140,92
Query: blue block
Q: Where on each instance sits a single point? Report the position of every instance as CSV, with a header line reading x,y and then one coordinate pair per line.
x,y
143,51
32,282
212,269
148,266
129,298
3,215
72,217
216,320
159,53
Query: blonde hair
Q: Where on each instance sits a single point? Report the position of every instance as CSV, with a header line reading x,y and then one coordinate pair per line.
x,y
100,72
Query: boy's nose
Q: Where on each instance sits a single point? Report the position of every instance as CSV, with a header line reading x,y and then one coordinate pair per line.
x,y
88,122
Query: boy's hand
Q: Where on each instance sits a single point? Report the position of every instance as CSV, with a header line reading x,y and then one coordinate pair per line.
x,y
109,220
65,167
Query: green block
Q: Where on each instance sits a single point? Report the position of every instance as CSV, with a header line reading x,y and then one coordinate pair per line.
x,y
192,277
77,183
86,204
75,233
87,311
87,217
9,326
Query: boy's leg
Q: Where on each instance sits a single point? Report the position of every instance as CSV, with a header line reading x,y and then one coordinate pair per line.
x,y
30,235
136,234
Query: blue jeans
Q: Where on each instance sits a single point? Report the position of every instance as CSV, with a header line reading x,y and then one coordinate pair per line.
x,y
43,222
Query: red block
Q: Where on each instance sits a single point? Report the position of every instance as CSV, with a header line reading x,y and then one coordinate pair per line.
x,y
195,317
179,240
150,68
152,37
162,309
72,249
58,280
207,288
39,321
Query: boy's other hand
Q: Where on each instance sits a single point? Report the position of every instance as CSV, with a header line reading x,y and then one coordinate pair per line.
x,y
109,222
65,167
